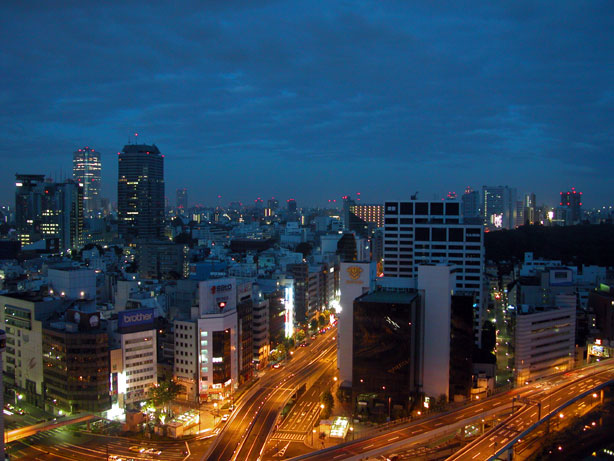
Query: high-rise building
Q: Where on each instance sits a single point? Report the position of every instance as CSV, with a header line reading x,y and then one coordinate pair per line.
x,y
291,205
28,191
182,199
499,207
47,210
470,203
417,232
273,203
572,202
140,192
86,168
530,209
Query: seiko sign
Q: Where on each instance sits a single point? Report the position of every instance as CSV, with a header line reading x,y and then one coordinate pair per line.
x,y
220,288
136,318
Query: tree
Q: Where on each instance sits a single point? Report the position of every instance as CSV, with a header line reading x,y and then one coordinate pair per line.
x,y
164,393
322,320
313,324
329,402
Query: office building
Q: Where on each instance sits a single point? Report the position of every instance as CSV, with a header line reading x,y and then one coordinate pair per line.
x,y
182,199
162,259
544,341
386,351
417,232
499,207
185,362
76,364
28,198
291,205
48,210
140,192
86,169
470,204
2,349
133,359
355,279
23,315
571,201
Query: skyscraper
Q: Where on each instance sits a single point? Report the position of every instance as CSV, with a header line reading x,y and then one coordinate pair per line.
x,y
572,201
182,199
140,192
499,207
86,169
47,210
470,205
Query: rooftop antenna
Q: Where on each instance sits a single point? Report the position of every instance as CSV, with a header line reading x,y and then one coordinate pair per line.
x,y
415,196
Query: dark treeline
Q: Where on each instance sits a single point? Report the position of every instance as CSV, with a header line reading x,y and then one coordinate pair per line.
x,y
573,245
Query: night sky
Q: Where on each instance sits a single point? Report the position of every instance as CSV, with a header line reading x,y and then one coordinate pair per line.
x,y
314,100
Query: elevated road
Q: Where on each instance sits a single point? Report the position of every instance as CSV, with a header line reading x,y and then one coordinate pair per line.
x,y
552,392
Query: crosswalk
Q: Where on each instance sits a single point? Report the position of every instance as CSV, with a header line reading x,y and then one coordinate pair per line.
x,y
288,436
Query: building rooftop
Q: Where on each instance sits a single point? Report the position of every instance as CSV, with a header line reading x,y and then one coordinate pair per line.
x,y
140,149
383,296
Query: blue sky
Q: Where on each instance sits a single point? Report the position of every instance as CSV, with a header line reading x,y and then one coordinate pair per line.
x,y
315,100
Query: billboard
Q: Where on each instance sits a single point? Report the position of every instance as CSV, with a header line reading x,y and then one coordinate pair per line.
x,y
136,319
218,295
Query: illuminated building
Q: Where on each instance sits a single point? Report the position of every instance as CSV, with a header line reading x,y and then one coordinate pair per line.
x,y
470,203
572,202
140,192
86,169
417,232
544,341
2,349
46,210
22,315
133,360
499,207
76,364
291,205
369,213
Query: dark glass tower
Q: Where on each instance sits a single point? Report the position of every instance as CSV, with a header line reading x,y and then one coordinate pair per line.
x,y
140,192
86,168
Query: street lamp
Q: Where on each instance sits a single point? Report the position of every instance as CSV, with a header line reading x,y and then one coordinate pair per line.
x,y
352,431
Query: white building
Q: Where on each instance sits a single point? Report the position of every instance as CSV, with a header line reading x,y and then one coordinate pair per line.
x,y
72,282
185,366
355,279
22,315
544,342
436,283
136,366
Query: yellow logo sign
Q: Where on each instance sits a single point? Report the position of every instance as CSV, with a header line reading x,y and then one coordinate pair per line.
x,y
354,272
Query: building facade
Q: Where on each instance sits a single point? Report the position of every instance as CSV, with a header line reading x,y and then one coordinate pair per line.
x,y
86,170
140,192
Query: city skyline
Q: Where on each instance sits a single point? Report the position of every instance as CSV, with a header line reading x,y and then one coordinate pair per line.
x,y
288,100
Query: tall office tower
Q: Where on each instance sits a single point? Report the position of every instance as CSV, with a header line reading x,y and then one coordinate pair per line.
x,y
47,210
86,169
182,199
470,203
499,207
28,191
140,192
572,201
530,209
417,232
273,203
291,205
372,213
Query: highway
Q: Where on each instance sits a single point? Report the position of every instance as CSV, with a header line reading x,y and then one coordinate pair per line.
x,y
246,431
421,431
549,399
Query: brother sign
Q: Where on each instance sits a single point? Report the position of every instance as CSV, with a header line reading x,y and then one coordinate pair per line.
x,y
136,318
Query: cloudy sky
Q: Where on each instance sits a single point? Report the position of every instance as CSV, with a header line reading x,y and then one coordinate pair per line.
x,y
314,100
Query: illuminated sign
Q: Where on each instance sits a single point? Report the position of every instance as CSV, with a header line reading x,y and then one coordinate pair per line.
x,y
218,295
217,359
289,311
138,317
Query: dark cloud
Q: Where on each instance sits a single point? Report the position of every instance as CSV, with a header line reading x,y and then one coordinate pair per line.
x,y
313,99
